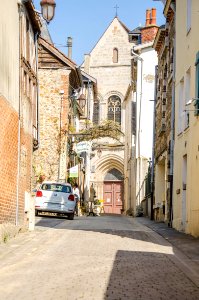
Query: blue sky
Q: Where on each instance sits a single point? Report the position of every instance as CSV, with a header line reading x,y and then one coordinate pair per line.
x,y
85,21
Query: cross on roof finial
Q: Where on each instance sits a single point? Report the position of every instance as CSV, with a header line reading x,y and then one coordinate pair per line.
x,y
116,8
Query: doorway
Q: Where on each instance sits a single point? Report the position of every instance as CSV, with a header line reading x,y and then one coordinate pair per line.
x,y
113,192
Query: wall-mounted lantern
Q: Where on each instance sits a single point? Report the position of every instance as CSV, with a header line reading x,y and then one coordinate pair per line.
x,y
82,100
48,9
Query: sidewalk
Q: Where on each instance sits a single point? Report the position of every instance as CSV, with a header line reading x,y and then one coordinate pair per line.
x,y
186,243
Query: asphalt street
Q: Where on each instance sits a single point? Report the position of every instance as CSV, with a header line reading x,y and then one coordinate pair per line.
x,y
108,257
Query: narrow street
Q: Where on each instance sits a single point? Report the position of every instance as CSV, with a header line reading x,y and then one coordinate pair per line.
x,y
108,257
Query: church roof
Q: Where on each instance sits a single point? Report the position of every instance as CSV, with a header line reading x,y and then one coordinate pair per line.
x,y
123,25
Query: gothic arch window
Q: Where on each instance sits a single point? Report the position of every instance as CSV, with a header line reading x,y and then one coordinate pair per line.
x,y
113,175
96,110
114,109
115,55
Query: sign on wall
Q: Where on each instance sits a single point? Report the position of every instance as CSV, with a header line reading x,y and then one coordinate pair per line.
x,y
73,172
83,147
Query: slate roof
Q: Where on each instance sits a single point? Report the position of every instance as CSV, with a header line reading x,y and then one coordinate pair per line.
x,y
136,30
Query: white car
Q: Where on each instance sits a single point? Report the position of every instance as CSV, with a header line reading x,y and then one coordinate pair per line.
x,y
55,197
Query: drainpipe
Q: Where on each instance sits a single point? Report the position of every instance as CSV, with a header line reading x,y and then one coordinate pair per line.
x,y
139,122
20,9
37,86
153,150
172,128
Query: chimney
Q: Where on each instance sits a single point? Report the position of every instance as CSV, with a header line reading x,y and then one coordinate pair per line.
x,y
153,16
149,32
148,17
69,45
87,63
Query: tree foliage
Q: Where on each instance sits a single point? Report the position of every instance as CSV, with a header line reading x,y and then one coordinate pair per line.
x,y
105,129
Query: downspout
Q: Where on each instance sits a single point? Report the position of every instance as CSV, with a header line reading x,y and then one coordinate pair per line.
x,y
153,150
37,85
19,121
172,128
139,122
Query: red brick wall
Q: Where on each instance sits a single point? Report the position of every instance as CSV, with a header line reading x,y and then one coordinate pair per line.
x,y
8,161
8,165
148,33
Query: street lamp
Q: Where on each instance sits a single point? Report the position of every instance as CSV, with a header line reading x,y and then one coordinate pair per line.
x,y
82,100
48,9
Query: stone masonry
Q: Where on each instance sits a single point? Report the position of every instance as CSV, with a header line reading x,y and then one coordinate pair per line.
x,y
53,116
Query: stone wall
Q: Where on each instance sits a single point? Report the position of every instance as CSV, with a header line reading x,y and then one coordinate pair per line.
x,y
53,105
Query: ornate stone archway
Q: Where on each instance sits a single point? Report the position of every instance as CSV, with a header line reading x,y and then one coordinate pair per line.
x,y
103,166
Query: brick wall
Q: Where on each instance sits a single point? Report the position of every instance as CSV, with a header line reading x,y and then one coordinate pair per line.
x,y
8,161
9,166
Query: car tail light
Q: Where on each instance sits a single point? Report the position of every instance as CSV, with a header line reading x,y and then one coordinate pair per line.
x,y
39,194
71,197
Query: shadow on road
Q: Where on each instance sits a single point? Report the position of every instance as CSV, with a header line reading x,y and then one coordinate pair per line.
x,y
150,276
95,224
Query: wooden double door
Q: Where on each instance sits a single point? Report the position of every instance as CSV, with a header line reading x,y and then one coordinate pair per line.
x,y
113,197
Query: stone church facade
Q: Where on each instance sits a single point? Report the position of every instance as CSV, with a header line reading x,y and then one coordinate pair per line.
x,y
110,63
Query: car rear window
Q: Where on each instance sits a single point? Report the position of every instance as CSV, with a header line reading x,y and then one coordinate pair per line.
x,y
56,187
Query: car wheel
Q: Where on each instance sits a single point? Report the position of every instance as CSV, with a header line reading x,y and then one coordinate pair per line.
x,y
36,213
71,216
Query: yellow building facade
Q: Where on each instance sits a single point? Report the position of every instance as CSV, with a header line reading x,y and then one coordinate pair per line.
x,y
186,149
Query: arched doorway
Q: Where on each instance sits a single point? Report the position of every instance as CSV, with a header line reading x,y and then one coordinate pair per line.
x,y
113,192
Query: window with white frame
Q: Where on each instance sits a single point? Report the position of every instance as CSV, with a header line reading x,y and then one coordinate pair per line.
x,y
181,104
189,7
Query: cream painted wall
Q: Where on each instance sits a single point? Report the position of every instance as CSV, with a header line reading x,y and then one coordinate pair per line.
x,y
186,143
9,53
